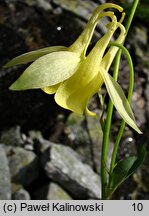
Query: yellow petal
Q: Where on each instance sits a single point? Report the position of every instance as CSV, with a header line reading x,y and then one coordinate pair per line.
x,y
81,44
119,100
111,53
90,113
33,55
51,89
75,92
48,70
97,53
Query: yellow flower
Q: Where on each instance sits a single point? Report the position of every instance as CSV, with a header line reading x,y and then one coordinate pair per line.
x,y
73,76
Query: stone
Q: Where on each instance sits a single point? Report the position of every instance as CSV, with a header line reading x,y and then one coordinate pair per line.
x,y
127,147
82,9
12,136
78,7
63,166
96,135
24,165
21,194
77,136
15,187
140,40
40,144
147,97
55,192
139,111
5,181
51,191
44,4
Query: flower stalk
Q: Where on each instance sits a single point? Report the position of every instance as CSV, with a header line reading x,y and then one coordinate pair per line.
x,y
107,127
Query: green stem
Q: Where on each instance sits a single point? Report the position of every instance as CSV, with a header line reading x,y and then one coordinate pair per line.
x,y
106,132
130,91
131,15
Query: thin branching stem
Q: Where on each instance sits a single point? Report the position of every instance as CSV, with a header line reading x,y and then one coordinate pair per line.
x,y
107,127
130,91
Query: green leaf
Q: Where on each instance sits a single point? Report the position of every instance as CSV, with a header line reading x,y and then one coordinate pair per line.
x,y
33,55
48,70
139,161
119,100
120,173
124,169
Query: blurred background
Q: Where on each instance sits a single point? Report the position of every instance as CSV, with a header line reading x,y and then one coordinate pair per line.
x,y
47,152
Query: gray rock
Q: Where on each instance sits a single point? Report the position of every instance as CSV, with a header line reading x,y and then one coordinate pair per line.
x,y
51,191
140,41
12,136
82,9
77,136
55,192
75,131
35,135
40,143
127,146
44,4
63,166
15,187
28,147
139,110
96,136
24,167
5,183
147,96
140,36
21,194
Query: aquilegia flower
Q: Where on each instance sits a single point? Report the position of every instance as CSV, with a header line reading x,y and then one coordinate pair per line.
x,y
73,76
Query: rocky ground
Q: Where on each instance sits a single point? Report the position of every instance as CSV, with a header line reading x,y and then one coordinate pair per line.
x,y
47,152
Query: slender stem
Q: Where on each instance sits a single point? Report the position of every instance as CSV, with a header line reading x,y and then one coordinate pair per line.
x,y
131,82
130,91
131,15
109,115
106,133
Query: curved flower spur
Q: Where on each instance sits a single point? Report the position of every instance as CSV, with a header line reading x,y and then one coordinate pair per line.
x,y
73,76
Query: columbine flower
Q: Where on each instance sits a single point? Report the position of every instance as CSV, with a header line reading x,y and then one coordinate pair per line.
x,y
73,76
